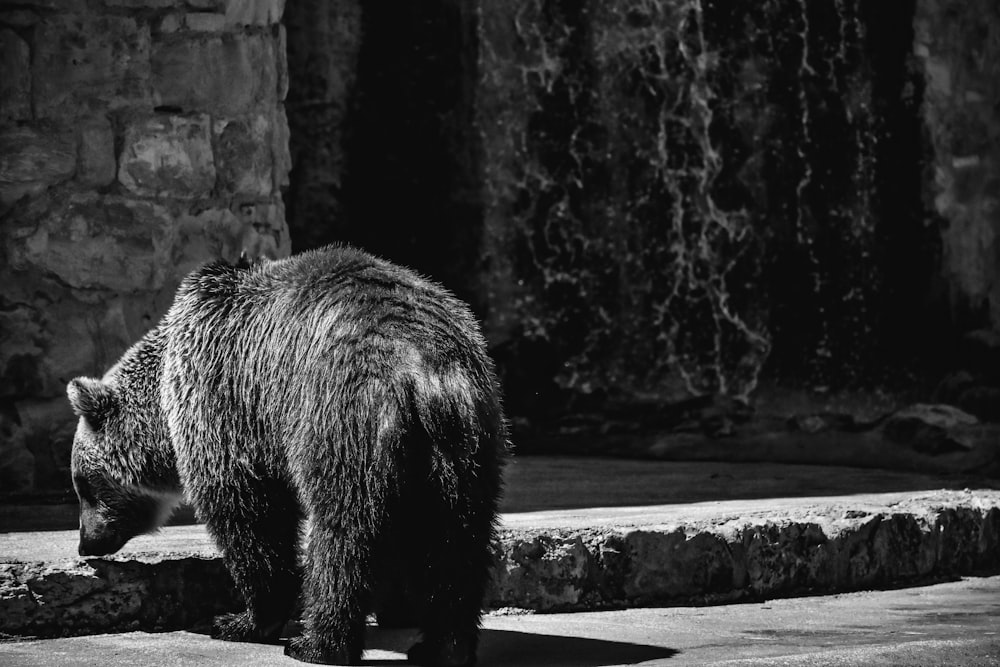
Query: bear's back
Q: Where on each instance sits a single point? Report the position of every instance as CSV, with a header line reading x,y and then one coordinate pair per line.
x,y
334,278
296,326
347,292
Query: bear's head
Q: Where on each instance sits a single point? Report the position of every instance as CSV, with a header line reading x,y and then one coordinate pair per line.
x,y
108,464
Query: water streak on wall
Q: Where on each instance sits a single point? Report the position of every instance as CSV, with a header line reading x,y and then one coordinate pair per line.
x,y
680,191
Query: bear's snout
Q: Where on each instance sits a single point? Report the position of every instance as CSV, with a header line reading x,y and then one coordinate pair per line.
x,y
97,536
99,545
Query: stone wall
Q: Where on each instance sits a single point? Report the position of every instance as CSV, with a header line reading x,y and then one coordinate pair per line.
x,y
648,200
685,196
138,139
957,45
322,64
644,200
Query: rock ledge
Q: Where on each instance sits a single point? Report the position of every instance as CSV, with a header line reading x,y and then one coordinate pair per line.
x,y
561,560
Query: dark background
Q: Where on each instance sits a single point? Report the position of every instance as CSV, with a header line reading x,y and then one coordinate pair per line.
x,y
671,216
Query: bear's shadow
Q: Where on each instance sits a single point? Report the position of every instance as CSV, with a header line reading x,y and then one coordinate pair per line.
x,y
498,648
502,648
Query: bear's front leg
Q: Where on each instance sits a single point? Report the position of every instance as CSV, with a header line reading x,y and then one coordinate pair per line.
x,y
257,532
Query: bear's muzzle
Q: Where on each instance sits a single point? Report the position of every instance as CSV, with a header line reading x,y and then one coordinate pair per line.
x,y
97,536
99,545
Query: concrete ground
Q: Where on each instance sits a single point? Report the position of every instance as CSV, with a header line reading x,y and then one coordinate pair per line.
x,y
577,528
956,623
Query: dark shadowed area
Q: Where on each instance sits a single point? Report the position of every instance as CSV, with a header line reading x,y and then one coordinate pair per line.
x,y
777,208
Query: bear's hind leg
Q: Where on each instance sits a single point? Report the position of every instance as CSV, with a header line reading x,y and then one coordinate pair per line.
x,y
335,592
457,572
257,531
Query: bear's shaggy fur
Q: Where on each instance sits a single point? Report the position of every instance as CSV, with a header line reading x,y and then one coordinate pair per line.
x,y
331,417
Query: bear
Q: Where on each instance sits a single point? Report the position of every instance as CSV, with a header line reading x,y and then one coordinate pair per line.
x,y
335,420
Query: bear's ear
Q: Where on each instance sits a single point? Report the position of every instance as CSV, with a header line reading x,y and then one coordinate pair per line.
x,y
92,399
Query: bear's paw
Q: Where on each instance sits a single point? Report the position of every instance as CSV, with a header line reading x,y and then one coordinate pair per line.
x,y
305,649
242,628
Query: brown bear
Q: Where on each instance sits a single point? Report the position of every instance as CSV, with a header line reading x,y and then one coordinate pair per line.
x,y
333,419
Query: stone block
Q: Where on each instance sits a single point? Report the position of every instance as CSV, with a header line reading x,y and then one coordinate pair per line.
x,y
18,18
254,12
97,165
89,62
89,241
207,236
267,229
85,596
931,429
34,157
45,344
168,156
220,233
168,24
243,155
547,572
676,565
87,338
205,22
15,84
226,74
36,597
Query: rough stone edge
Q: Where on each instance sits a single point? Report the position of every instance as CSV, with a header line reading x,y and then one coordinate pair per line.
x,y
619,568
547,570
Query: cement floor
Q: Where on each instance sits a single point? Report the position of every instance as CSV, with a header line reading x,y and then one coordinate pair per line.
x,y
950,624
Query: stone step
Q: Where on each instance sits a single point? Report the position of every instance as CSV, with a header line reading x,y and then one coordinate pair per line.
x,y
576,559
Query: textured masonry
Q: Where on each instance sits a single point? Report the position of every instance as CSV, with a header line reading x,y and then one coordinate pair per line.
x,y
138,139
